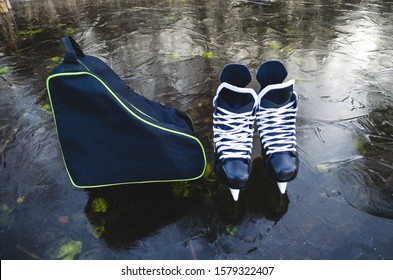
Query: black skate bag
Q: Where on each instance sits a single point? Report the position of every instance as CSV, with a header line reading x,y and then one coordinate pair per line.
x,y
110,135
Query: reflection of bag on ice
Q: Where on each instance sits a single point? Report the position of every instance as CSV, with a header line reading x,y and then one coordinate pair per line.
x,y
110,135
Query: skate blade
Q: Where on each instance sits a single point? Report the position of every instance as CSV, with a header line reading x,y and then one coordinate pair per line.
x,y
235,194
282,186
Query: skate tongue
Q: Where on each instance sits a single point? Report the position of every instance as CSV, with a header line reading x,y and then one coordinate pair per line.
x,y
236,102
271,72
236,74
277,98
235,108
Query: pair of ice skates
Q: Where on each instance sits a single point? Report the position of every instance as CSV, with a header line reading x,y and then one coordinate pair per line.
x,y
237,107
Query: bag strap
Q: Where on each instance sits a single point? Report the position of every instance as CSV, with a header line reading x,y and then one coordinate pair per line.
x,y
73,50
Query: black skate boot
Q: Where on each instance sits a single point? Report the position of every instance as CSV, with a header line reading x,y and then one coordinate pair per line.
x,y
233,126
276,122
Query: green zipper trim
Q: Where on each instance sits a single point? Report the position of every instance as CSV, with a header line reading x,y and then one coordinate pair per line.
x,y
143,113
135,116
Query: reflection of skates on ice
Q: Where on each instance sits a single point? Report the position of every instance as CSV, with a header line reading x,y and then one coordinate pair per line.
x,y
276,121
233,120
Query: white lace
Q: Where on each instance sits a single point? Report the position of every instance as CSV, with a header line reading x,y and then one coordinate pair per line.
x,y
277,128
236,140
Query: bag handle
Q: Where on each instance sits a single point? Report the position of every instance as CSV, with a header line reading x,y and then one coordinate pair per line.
x,y
72,48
